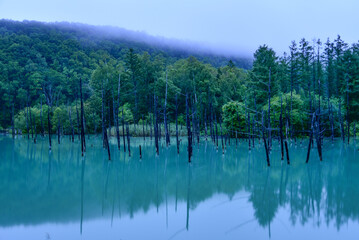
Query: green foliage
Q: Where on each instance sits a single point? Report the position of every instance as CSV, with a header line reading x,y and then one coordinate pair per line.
x,y
298,117
42,65
127,113
233,115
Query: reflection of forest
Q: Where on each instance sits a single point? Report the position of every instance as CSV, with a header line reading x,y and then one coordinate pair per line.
x,y
37,186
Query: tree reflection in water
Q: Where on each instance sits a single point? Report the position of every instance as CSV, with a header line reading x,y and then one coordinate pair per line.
x,y
39,187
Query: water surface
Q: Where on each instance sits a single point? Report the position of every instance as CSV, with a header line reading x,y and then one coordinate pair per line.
x,y
62,195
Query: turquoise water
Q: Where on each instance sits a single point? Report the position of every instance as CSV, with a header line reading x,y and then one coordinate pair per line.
x,y
61,195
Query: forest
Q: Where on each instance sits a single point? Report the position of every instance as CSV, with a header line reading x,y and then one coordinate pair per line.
x,y
63,81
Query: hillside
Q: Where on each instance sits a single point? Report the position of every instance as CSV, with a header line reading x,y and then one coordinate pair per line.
x,y
115,41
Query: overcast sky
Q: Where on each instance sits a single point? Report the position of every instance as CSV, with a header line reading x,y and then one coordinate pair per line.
x,y
241,25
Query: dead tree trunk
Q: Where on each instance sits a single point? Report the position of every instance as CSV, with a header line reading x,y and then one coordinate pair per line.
x,y
102,115
189,133
317,134
115,120
216,137
41,121
310,138
249,131
27,121
49,125
165,115
116,112
347,114
151,121
71,125
177,141
123,132
78,122
31,124
107,145
156,124
211,123
128,139
341,122
220,127
265,141
83,140
269,123
12,120
281,128
205,123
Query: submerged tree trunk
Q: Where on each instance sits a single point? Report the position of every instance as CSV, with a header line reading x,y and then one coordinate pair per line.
x,y
116,112
123,132
78,122
49,125
12,120
71,125
220,127
41,121
27,121
31,123
347,115
216,137
83,140
107,145
165,115
177,141
151,121
265,141
115,120
102,114
310,138
189,133
341,123
281,128
156,124
128,139
249,132
269,123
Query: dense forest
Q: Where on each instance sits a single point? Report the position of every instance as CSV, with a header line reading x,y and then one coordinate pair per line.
x,y
49,72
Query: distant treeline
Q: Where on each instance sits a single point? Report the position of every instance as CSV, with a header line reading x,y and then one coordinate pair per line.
x,y
41,66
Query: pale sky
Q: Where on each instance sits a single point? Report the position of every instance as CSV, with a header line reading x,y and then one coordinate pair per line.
x,y
240,25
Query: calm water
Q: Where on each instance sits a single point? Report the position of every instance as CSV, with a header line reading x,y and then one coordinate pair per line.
x,y
60,195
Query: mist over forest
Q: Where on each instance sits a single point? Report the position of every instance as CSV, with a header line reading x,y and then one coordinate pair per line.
x,y
42,64
115,40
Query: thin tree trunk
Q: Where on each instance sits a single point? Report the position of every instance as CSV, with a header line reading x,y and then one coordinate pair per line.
x,y
12,120
341,122
83,139
78,121
265,141
143,128
49,125
165,115
348,123
117,109
27,121
281,128
177,141
128,139
156,124
123,132
41,121
269,123
102,114
71,125
189,133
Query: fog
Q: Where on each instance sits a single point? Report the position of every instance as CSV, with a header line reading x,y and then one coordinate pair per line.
x,y
228,26
103,32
